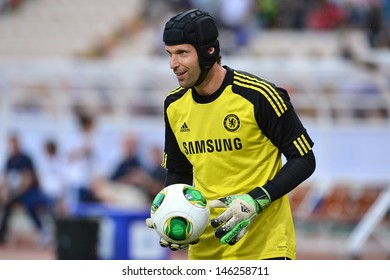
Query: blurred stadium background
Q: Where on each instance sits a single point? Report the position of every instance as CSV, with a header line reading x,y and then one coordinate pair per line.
x,y
61,58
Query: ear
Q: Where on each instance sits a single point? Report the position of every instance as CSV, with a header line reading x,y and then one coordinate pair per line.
x,y
211,50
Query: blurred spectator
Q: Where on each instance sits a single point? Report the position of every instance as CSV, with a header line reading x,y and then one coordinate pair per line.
x,y
325,15
21,187
386,10
291,14
268,12
126,185
51,174
377,31
354,14
10,5
157,171
129,169
238,17
81,162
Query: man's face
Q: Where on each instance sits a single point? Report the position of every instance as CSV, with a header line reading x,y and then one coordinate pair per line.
x,y
14,145
183,60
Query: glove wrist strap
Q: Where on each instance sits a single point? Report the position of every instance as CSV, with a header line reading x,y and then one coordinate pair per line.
x,y
261,196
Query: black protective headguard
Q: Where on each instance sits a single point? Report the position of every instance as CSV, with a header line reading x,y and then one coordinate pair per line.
x,y
197,28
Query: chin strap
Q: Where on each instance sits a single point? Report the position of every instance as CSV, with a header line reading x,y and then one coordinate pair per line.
x,y
202,76
208,56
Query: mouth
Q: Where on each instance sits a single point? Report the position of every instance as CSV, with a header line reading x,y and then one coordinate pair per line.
x,y
180,75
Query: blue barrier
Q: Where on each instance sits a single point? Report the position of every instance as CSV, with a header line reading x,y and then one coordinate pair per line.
x,y
123,233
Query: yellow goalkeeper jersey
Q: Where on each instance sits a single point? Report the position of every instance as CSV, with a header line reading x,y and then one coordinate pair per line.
x,y
234,140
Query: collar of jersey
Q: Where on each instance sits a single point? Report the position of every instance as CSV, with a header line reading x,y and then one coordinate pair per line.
x,y
210,98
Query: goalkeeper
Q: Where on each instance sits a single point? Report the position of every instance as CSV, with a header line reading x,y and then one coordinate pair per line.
x,y
225,132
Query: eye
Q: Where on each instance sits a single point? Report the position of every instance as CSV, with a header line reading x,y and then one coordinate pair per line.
x,y
180,53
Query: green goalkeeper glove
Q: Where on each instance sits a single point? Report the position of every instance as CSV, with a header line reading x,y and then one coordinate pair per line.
x,y
169,245
241,209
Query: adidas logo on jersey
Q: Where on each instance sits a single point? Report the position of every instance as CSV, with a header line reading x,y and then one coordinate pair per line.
x,y
184,128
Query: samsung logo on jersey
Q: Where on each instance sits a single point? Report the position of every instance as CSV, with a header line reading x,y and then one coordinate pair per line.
x,y
212,145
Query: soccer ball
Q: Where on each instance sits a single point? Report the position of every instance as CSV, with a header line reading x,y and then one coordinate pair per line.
x,y
180,213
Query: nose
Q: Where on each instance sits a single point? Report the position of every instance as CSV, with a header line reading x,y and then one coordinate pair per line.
x,y
173,62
